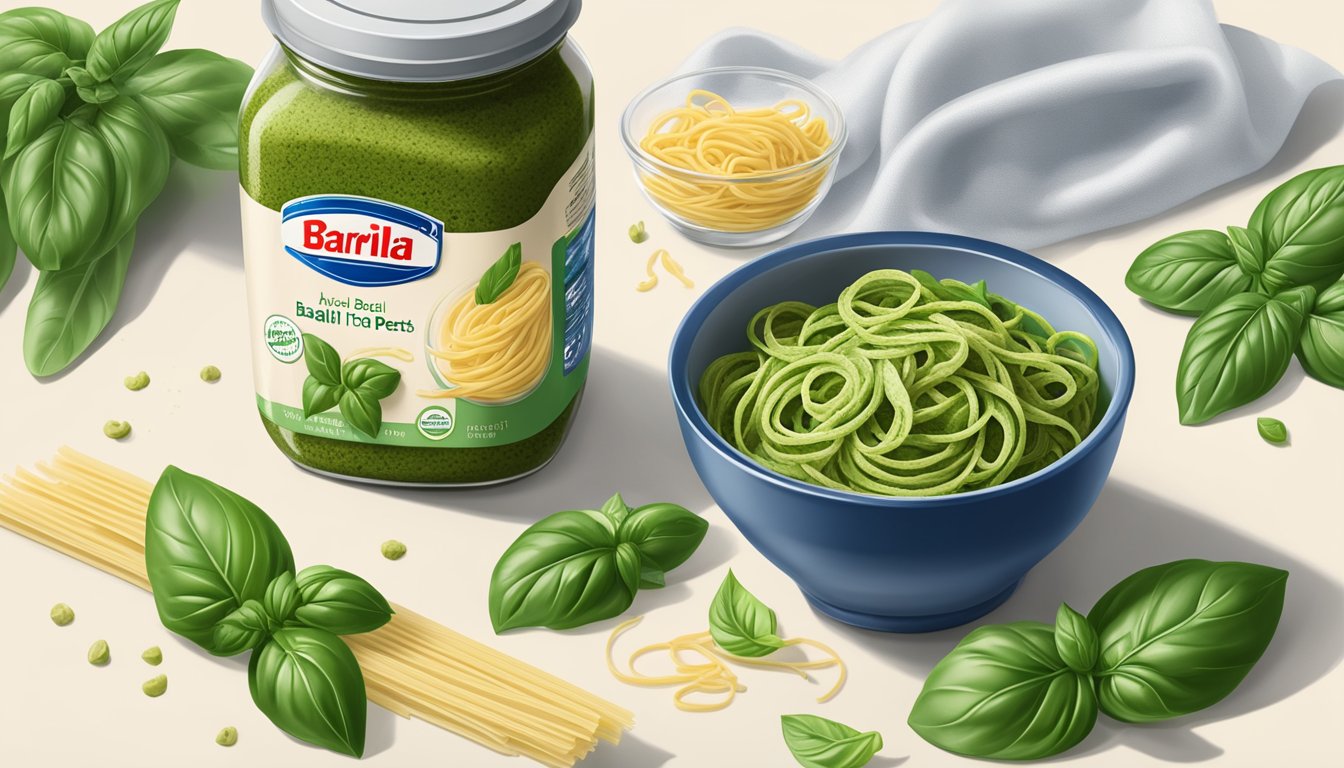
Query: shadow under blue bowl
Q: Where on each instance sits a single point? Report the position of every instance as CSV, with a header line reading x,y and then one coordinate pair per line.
x,y
899,564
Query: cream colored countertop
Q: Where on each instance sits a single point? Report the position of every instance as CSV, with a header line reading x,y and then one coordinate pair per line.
x,y
1216,491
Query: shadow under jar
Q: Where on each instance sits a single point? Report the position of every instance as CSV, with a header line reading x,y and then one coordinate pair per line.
x,y
391,156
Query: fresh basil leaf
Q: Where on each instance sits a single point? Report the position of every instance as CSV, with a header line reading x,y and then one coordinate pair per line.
x,y
1188,273
195,96
71,307
561,573
339,602
651,578
57,189
141,159
1238,351
820,743
1321,348
1246,247
1301,226
319,397
309,684
8,248
665,534
32,114
207,551
12,86
1003,693
362,412
241,631
281,598
1272,430
628,565
500,275
322,361
41,42
370,377
131,41
741,624
1177,638
616,509
1075,640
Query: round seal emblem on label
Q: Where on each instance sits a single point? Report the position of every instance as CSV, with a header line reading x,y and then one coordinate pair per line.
x,y
435,422
283,338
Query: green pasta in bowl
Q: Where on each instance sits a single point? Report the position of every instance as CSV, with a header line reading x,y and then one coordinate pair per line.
x,y
905,447
905,386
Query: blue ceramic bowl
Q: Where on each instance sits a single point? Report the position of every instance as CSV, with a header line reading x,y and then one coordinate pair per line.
x,y
899,564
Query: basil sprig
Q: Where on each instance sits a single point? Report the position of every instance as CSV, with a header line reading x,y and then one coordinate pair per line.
x,y
1261,292
816,742
90,126
357,387
223,577
1167,641
580,566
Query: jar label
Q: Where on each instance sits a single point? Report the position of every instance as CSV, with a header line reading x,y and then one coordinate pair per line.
x,y
371,324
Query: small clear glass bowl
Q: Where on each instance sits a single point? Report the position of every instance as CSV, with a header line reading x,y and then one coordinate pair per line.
x,y
744,88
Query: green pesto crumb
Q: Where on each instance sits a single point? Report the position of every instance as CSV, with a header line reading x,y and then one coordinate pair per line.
x,y
99,653
153,656
155,686
137,382
393,549
62,614
637,233
117,430
227,737
210,374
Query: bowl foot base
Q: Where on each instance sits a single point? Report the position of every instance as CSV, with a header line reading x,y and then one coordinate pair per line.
x,y
912,624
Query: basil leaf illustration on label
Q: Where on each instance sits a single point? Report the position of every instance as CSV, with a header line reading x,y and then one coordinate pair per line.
x,y
1301,227
1189,272
562,572
365,383
1272,430
309,684
740,623
816,742
207,550
57,192
321,359
1177,638
131,41
1321,348
140,161
1075,640
193,95
500,276
361,412
1004,693
70,307
1238,351
339,602
41,41
319,397
665,534
241,631
32,114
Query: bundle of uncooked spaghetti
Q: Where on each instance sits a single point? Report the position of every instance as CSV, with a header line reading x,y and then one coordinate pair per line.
x,y
413,666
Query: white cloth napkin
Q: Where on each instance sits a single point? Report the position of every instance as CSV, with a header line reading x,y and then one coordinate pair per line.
x,y
1030,122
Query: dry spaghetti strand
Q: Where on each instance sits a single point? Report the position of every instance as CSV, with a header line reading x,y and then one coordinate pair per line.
x,y
702,668
412,666
710,137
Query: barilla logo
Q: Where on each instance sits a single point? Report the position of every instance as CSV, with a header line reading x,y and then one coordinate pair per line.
x,y
360,241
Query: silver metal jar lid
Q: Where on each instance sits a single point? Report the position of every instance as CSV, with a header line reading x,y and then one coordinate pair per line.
x,y
419,40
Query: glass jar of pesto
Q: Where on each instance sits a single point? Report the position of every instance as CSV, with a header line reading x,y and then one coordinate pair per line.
x,y
418,210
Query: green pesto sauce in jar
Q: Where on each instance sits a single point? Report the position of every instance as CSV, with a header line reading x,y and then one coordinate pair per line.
x,y
479,155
